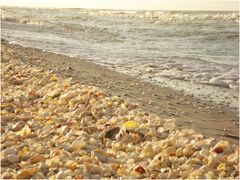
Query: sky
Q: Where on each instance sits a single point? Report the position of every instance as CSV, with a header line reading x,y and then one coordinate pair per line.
x,y
220,5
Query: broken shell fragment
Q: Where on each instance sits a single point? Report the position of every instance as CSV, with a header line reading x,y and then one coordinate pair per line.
x,y
101,155
111,134
78,144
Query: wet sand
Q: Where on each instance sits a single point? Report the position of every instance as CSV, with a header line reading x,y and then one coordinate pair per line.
x,y
212,120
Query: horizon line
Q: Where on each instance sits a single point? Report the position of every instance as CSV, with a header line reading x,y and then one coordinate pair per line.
x,y
139,9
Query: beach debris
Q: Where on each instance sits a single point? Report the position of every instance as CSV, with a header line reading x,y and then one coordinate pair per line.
x,y
53,128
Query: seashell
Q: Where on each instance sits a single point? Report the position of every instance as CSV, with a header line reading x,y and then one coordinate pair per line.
x,y
221,167
78,145
54,78
204,152
77,112
111,134
9,151
53,162
47,128
24,152
55,93
54,152
210,175
44,169
121,172
7,175
74,132
68,95
161,130
8,117
94,169
114,160
186,167
147,152
235,173
73,103
196,174
36,159
25,131
101,155
94,176
215,159
23,98
170,151
188,151
155,164
4,162
169,126
64,129
13,158
130,125
41,150
18,126
71,165
222,144
60,175
26,173
233,158
135,175
10,108
88,118
24,117
140,169
218,150
93,142
179,152
205,168
39,175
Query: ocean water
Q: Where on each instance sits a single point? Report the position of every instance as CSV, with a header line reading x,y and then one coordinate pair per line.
x,y
195,52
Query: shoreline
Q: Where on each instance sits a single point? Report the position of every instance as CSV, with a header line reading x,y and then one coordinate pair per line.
x,y
189,112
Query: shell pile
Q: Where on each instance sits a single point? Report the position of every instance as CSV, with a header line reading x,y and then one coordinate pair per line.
x,y
54,128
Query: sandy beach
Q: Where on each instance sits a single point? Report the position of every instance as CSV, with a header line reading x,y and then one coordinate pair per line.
x,y
65,118
219,121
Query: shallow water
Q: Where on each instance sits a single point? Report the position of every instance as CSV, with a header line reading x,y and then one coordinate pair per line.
x,y
196,52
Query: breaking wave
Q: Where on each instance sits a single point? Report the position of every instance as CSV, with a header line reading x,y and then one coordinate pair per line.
x,y
166,16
